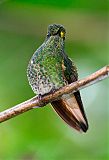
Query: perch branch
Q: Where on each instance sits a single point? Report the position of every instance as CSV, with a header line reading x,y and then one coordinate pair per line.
x,y
36,102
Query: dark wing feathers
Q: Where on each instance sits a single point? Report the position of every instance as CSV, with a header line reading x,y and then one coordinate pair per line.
x,y
71,70
70,75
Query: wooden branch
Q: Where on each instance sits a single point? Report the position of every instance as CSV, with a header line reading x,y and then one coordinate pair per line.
x,y
73,87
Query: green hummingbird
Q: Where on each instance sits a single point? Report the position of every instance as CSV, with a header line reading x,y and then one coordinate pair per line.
x,y
50,69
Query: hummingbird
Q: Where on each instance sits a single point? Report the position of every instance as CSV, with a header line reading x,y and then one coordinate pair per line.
x,y
49,69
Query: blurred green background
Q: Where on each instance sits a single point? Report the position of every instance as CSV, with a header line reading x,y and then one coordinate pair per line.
x,y
40,134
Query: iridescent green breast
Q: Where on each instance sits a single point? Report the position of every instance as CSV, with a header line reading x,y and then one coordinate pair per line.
x,y
44,71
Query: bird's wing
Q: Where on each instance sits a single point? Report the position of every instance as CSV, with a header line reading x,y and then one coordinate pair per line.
x,y
72,76
71,108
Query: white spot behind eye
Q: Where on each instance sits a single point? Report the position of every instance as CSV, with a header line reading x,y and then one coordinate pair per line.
x,y
31,61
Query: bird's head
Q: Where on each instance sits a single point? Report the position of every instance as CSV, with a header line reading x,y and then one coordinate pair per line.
x,y
56,29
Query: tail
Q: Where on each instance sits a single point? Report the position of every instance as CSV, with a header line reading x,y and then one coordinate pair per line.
x,y
70,109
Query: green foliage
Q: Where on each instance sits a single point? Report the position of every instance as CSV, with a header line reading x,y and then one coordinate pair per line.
x,y
98,5
40,133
